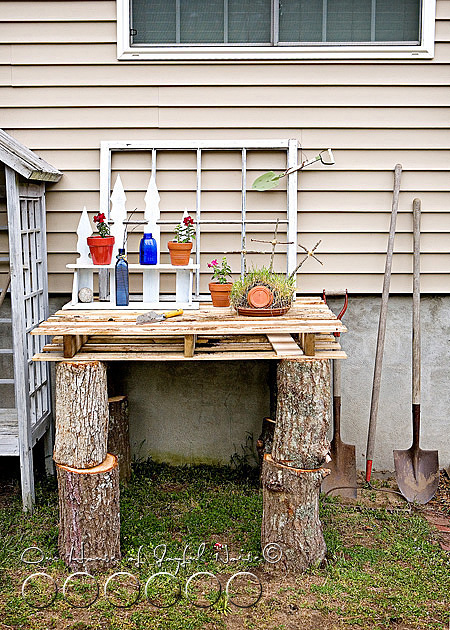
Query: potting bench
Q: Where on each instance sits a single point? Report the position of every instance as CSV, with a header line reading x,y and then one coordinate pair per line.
x,y
83,340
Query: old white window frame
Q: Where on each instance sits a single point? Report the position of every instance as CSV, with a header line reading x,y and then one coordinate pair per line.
x,y
126,52
289,147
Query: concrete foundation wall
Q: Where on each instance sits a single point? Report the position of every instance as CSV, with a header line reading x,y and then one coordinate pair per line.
x,y
192,412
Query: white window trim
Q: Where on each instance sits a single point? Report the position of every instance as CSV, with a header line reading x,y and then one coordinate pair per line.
x,y
125,52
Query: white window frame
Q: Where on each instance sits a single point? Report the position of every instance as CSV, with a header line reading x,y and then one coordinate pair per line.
x,y
126,52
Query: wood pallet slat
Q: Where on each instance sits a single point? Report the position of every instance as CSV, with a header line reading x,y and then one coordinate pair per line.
x,y
306,331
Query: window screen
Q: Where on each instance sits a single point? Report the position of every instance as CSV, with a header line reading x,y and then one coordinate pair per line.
x,y
297,22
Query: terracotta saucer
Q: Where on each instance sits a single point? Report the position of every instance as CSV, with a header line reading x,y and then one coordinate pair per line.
x,y
262,312
260,297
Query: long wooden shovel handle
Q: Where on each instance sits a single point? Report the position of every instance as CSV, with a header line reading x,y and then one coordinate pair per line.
x,y
416,305
416,325
382,326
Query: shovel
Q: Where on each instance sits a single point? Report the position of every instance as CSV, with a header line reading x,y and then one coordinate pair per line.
x,y
417,471
342,480
152,316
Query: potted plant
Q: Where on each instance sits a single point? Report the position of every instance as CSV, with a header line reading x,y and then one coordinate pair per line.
x,y
263,293
180,248
101,245
220,288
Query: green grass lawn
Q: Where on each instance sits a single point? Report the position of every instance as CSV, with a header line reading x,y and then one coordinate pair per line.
x,y
384,568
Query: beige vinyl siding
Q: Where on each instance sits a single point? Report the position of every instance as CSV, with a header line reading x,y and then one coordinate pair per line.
x,y
63,92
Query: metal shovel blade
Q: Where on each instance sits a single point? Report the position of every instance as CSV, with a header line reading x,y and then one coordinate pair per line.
x,y
417,474
342,481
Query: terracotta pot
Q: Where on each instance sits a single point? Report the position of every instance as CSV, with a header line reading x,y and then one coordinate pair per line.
x,y
220,293
101,248
179,253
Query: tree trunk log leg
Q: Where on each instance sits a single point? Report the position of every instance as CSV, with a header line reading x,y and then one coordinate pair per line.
x,y
81,414
291,514
303,413
89,516
119,435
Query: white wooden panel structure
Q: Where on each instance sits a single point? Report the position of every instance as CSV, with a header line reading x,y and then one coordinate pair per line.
x,y
30,420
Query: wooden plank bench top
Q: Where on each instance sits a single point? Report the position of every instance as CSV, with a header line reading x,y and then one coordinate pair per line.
x,y
209,333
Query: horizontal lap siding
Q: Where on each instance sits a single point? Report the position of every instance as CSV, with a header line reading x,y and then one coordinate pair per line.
x,y
63,92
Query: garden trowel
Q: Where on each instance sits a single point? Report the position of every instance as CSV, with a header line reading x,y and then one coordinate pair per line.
x,y
152,316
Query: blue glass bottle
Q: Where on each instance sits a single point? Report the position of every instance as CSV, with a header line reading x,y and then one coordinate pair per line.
x,y
121,271
148,251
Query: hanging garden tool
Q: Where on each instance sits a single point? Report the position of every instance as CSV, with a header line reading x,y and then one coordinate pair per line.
x,y
342,480
416,470
382,327
270,180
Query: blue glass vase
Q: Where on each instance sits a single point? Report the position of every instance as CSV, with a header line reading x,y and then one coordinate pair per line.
x,y
148,251
121,271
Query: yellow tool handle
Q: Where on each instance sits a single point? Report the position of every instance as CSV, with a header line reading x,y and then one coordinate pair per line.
x,y
173,313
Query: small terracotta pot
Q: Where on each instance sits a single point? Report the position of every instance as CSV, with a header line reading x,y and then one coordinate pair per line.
x,y
220,293
101,248
179,253
260,297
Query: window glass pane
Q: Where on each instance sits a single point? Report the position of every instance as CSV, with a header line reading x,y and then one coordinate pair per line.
x,y
398,21
300,21
155,21
201,22
249,21
348,20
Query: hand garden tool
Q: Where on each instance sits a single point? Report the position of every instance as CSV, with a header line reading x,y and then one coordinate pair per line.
x,y
152,316
382,327
342,480
416,470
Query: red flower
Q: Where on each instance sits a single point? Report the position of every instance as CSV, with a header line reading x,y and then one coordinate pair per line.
x,y
188,221
99,218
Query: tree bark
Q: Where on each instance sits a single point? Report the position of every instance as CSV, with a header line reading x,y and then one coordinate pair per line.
x,y
81,431
89,516
265,440
303,413
119,435
291,514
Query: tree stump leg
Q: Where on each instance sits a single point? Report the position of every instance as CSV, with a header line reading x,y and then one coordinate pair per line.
x,y
291,514
303,413
89,516
119,435
291,475
81,414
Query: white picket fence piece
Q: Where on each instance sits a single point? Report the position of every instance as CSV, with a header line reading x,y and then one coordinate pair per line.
x,y
84,270
152,213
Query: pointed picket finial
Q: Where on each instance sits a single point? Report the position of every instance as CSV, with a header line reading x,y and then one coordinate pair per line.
x,y
152,212
118,214
84,230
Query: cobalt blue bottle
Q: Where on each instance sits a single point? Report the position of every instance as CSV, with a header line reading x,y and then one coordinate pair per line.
x,y
148,253
121,279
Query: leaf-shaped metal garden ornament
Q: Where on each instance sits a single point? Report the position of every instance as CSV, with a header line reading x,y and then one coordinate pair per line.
x,y
267,181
